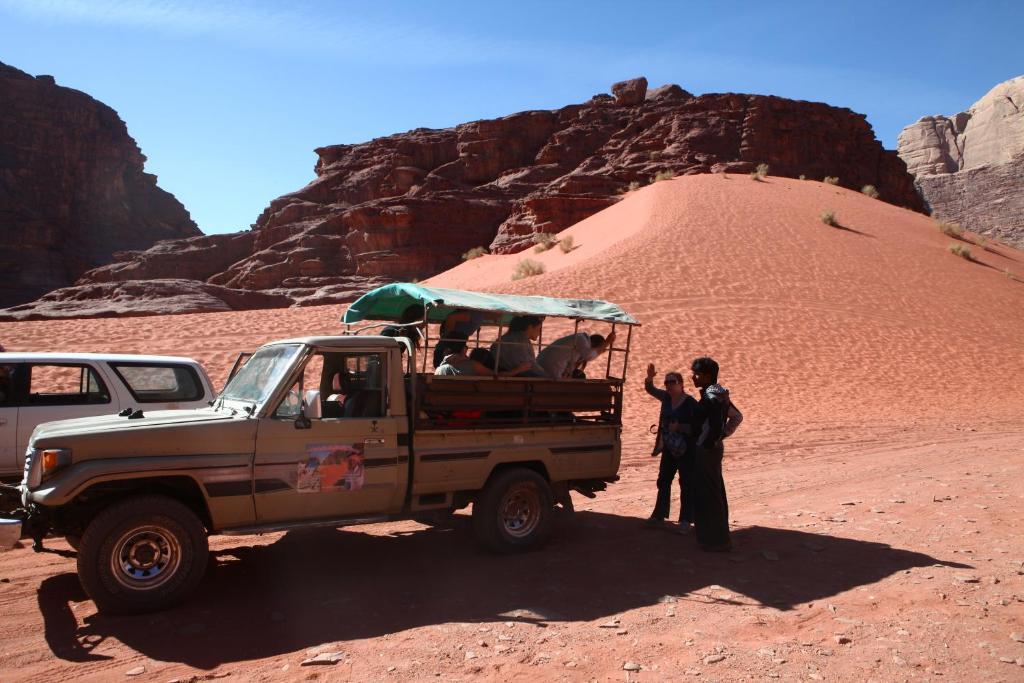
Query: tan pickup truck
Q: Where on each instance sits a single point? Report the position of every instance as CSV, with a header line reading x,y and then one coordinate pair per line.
x,y
329,431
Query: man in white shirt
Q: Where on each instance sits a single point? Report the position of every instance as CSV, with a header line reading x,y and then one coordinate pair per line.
x,y
572,352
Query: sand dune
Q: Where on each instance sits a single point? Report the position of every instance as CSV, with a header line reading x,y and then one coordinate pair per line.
x,y
873,323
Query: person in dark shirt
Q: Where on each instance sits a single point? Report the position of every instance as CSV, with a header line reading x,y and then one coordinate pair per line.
x,y
406,325
675,427
711,505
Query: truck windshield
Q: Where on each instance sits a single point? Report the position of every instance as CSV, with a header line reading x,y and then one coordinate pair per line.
x,y
261,374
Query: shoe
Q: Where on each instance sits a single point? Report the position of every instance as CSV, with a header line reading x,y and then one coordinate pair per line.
x,y
683,528
653,522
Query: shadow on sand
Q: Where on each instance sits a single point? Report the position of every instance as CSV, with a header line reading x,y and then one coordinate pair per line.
x,y
323,586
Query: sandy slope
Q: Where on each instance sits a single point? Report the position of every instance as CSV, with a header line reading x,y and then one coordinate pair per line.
x,y
874,367
873,322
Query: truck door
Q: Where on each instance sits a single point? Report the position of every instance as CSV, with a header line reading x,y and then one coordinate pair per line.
x,y
342,458
9,393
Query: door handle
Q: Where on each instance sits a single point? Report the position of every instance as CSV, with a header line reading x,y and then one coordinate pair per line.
x,y
373,442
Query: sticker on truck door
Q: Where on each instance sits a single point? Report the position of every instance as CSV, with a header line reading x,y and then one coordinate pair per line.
x,y
331,467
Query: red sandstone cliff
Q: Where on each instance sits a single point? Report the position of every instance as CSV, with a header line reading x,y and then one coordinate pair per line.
x,y
72,188
408,205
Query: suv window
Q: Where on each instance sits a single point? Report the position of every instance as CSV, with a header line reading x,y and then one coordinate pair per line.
x,y
8,384
339,385
160,383
65,385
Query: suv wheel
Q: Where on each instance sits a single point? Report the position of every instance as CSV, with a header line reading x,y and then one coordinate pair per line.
x,y
142,554
514,511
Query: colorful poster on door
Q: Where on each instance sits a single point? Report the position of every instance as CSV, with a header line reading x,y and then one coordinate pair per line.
x,y
331,467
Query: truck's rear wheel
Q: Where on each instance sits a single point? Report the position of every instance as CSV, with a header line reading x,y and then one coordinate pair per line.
x,y
141,555
514,511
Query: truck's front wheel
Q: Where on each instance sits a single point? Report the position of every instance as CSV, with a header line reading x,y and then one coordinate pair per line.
x,y
514,511
142,554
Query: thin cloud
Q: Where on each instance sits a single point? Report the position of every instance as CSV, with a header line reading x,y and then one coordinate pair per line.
x,y
267,29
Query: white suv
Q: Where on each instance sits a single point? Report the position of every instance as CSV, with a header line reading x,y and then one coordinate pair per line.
x,y
43,387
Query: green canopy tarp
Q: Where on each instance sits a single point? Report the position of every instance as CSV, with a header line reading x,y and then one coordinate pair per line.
x,y
390,301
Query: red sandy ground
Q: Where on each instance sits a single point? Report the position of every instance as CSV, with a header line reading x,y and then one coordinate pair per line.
x,y
875,486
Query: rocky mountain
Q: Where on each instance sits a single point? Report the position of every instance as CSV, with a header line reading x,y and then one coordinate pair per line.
x,y
73,192
969,167
408,205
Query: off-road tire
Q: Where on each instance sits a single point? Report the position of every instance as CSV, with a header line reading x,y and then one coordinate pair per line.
x,y
514,511
142,554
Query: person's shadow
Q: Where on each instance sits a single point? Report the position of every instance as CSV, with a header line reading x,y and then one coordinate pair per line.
x,y
324,586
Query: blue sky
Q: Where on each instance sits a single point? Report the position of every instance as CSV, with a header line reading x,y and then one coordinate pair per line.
x,y
229,99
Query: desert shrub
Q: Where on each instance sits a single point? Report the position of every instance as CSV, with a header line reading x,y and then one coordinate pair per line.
x,y
870,190
635,185
475,252
566,243
950,229
960,250
754,176
663,175
831,180
762,170
527,268
544,241
803,177
829,218
981,241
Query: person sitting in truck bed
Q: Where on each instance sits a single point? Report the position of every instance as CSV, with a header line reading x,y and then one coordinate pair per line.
x,y
458,363
567,357
459,324
515,347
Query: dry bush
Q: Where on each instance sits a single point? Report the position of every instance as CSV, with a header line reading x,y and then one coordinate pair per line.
x,y
754,176
475,252
762,170
663,175
635,185
544,241
870,190
982,242
829,218
961,251
950,229
803,177
831,180
566,244
527,268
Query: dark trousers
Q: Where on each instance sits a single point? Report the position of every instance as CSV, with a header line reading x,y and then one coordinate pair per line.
x,y
711,506
670,465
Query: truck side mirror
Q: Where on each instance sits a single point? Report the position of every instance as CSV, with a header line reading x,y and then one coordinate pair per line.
x,y
303,422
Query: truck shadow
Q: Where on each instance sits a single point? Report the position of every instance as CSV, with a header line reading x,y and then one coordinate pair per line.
x,y
324,586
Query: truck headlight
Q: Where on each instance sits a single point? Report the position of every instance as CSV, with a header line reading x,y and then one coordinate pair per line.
x,y
53,459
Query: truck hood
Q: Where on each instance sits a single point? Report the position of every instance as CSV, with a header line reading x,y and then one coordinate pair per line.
x,y
115,423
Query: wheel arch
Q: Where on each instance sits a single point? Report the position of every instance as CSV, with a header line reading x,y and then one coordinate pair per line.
x,y
180,487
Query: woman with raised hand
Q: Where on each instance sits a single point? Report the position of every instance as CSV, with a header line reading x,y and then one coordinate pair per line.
x,y
675,421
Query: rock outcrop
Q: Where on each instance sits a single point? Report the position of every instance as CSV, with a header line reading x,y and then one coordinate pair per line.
x,y
969,167
72,188
408,205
